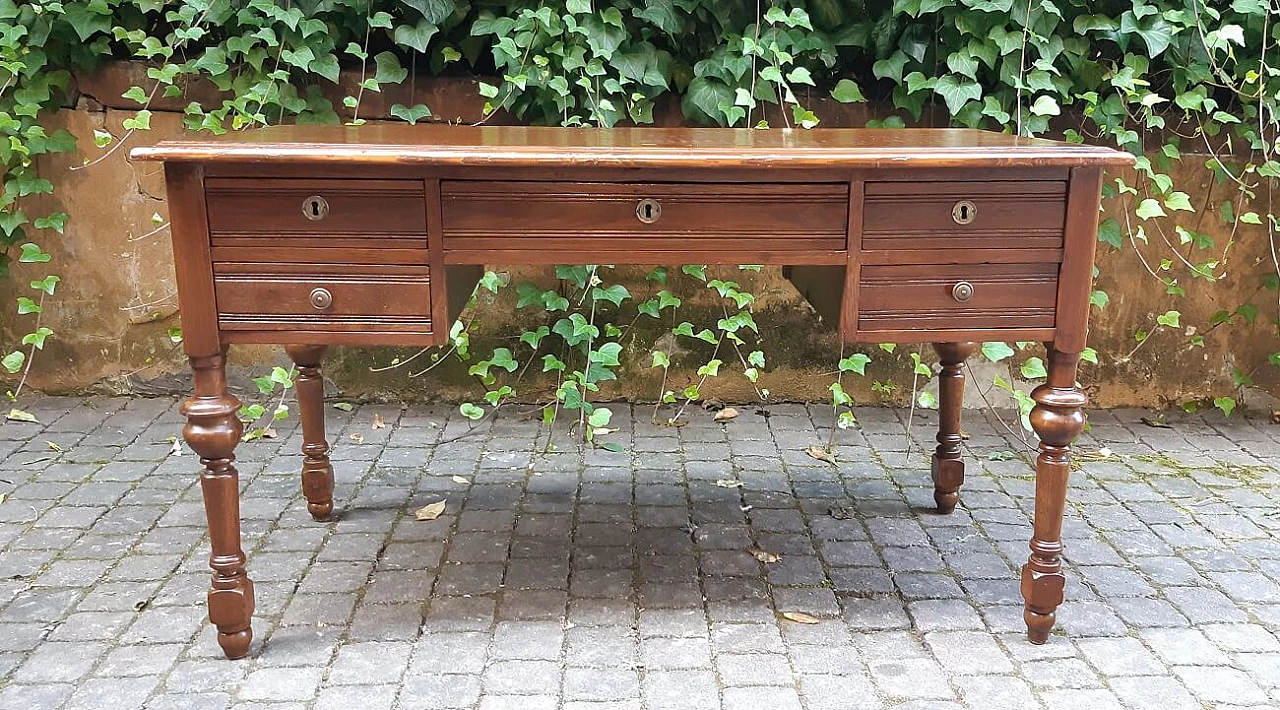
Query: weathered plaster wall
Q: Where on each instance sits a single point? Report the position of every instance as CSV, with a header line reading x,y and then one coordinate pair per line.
x,y
117,298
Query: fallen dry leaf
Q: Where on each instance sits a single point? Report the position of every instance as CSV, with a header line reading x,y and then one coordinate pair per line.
x,y
821,454
269,433
460,479
176,449
711,404
430,512
1156,422
843,512
726,414
799,617
764,555
1275,416
377,422
53,446
358,438
729,483
18,415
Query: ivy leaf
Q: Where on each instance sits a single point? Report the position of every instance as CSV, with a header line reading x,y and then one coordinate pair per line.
x,y
1149,208
1046,106
856,362
533,338
660,359
471,411
711,369
1169,319
389,70
87,19
410,114
13,361
26,305
416,36
1033,369
141,121
33,254
847,92
891,67
599,417
327,66
800,75
433,11
957,91
1179,201
614,294
1226,404
37,338
995,352
607,355
1109,232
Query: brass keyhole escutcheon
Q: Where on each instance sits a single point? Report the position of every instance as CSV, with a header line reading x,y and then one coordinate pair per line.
x,y
648,211
962,291
321,298
964,211
315,208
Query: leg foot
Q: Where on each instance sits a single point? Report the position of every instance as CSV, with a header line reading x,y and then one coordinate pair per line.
x,y
317,472
948,462
212,431
1058,418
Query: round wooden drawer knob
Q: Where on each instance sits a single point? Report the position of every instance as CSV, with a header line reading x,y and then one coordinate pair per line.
x,y
321,298
962,291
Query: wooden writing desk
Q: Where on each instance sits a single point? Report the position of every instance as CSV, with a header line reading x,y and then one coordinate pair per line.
x,y
316,236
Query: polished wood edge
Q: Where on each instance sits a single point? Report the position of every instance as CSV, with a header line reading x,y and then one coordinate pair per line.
x,y
1075,280
435,251
853,264
189,229
951,335
326,337
532,257
775,158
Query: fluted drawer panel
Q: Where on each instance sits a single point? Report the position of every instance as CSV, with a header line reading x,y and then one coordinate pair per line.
x,y
483,215
1015,214
275,299
924,297
301,209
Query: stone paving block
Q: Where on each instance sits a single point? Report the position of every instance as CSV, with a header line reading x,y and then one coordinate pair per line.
x,y
679,690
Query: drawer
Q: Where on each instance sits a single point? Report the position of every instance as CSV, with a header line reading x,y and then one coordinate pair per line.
x,y
953,296
273,299
644,216
941,215
301,208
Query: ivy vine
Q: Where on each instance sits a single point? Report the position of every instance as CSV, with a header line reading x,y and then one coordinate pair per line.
x,y
1156,78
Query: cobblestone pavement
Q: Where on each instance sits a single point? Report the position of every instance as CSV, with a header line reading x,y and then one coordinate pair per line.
x,y
624,580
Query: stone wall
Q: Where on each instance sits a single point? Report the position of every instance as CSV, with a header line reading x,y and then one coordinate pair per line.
x,y
117,299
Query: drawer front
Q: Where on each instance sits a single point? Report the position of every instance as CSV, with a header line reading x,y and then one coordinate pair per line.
x,y
941,215
263,300
302,208
953,296
643,216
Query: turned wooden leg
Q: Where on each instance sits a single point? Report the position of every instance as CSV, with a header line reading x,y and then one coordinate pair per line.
x,y
948,462
317,472
1058,419
212,431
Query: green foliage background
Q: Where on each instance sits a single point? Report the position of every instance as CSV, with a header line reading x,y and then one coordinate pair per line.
x,y
1154,78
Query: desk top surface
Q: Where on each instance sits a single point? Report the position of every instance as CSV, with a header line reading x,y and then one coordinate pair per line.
x,y
526,146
